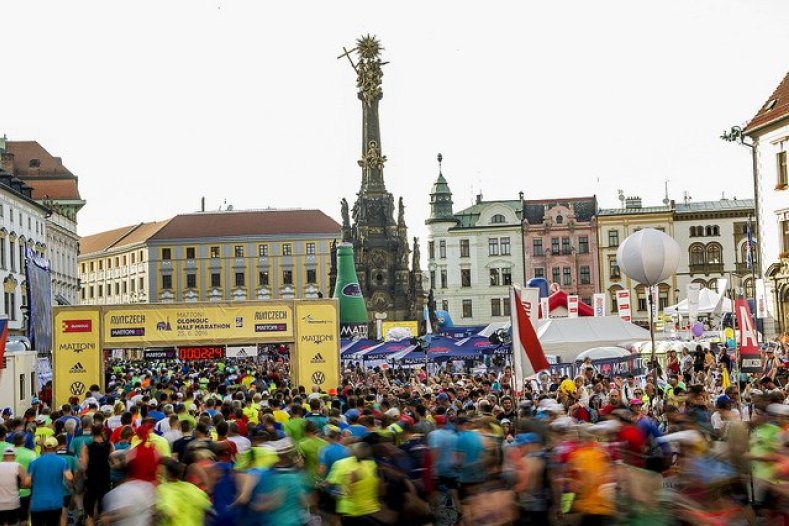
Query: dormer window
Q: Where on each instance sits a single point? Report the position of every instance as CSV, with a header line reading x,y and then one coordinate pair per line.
x,y
35,163
559,220
498,218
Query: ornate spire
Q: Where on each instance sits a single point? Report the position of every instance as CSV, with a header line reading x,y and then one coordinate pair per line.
x,y
440,198
368,83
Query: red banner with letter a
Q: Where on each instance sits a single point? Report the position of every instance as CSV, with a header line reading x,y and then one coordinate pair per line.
x,y
749,343
3,340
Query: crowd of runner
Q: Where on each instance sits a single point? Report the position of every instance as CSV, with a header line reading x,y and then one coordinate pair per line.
x,y
232,443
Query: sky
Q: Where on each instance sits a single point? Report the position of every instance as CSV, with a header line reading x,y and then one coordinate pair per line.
x,y
155,105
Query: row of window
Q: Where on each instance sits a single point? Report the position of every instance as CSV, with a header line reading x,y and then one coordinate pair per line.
x,y
89,292
497,246
286,249
39,226
566,247
564,275
13,255
498,277
701,231
119,261
240,279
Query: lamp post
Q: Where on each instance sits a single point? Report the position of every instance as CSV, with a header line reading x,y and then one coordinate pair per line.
x,y
649,256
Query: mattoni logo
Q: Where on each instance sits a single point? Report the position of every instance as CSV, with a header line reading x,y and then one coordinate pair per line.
x,y
318,358
78,369
317,339
77,325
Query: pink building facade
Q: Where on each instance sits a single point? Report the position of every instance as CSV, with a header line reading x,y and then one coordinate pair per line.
x,y
560,244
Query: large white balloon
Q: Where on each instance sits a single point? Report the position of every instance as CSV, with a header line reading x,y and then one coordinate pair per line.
x,y
649,256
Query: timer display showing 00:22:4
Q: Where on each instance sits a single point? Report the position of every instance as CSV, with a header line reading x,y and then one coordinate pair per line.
x,y
201,353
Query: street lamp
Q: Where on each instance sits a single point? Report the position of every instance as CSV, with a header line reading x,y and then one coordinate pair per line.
x,y
649,256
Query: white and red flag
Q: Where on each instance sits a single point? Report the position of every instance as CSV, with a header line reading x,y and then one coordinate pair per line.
x,y
528,356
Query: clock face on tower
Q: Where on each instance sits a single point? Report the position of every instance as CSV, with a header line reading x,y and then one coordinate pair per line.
x,y
378,258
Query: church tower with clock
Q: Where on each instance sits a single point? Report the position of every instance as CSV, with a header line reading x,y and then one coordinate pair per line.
x,y
388,269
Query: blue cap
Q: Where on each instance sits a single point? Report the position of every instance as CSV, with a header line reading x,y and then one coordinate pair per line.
x,y
352,414
442,397
523,439
35,401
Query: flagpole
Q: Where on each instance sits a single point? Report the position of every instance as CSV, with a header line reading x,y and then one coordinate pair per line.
x,y
753,274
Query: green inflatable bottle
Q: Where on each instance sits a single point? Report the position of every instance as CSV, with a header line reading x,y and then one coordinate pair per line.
x,y
353,311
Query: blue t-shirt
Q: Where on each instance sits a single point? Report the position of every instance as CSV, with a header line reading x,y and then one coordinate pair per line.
x,y
292,485
358,431
156,415
47,474
331,454
445,442
470,448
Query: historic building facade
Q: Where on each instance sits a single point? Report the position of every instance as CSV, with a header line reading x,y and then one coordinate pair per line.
x,y
473,255
613,226
23,225
769,134
387,268
713,236
55,187
212,256
560,244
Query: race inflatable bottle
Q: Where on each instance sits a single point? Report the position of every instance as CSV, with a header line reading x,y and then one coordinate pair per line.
x,y
353,310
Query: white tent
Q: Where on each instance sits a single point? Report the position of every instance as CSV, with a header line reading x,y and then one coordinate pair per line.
x,y
709,302
568,337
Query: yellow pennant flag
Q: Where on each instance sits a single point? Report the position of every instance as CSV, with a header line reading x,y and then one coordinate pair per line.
x,y
726,381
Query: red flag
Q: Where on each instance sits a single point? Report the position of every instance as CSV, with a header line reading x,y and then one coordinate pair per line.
x,y
527,336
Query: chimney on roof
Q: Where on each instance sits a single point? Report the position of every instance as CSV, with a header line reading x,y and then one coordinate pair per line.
x,y
479,198
7,162
202,204
633,203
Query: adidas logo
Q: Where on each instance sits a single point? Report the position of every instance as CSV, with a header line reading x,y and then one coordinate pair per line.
x,y
78,368
317,358
241,354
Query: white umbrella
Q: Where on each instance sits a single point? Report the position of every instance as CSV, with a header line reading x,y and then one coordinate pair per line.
x,y
599,353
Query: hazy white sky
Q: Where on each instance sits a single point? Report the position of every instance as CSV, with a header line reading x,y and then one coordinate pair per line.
x,y
155,104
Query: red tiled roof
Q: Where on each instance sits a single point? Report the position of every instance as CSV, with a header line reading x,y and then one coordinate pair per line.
x,y
50,179
772,111
247,223
55,189
119,237
25,151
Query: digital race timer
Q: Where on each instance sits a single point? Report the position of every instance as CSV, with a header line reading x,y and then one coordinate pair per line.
x,y
206,352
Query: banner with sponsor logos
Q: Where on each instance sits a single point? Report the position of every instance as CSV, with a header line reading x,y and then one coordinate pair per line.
x,y
572,306
317,361
623,304
163,324
241,351
157,353
76,353
598,304
609,367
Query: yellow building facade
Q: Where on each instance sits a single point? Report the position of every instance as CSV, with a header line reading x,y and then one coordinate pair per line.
x,y
215,256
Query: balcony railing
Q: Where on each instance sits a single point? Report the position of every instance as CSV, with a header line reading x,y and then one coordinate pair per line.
x,y
706,268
